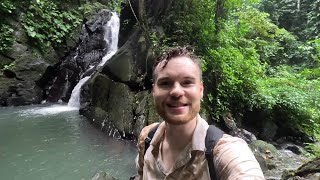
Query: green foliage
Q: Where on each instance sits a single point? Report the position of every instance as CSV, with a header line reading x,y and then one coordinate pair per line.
x,y
314,149
159,43
300,17
236,71
9,66
191,22
310,74
244,60
6,31
312,49
314,18
6,37
91,8
48,25
115,5
7,7
292,97
230,59
271,43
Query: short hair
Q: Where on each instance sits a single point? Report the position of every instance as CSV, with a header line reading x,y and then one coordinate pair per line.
x,y
176,52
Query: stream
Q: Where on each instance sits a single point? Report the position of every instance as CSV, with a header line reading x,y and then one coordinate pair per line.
x,y
52,141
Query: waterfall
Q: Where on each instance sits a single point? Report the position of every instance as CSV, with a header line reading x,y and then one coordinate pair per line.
x,y
74,100
111,32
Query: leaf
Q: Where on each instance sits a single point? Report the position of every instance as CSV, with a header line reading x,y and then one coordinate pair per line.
x,y
32,34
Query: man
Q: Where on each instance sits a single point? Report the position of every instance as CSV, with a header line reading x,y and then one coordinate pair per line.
x,y
177,148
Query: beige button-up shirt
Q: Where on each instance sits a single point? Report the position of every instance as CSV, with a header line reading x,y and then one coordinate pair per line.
x,y
233,158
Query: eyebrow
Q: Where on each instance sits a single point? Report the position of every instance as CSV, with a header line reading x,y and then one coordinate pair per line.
x,y
168,78
163,78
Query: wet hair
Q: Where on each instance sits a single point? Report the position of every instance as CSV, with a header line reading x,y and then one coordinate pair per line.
x,y
173,53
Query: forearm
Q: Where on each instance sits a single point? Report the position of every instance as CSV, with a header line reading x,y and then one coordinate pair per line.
x,y
234,160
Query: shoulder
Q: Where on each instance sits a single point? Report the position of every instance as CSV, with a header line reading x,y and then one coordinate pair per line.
x,y
230,142
141,144
144,133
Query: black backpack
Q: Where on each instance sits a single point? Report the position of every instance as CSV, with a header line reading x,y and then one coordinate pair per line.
x,y
212,137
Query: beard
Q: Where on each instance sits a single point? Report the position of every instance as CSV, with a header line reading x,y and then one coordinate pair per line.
x,y
179,119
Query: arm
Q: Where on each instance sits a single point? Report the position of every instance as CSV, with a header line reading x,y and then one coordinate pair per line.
x,y
233,160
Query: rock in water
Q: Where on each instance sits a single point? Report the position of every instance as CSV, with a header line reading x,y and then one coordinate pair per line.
x,y
103,176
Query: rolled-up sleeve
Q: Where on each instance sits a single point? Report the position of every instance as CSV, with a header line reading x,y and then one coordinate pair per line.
x,y
234,160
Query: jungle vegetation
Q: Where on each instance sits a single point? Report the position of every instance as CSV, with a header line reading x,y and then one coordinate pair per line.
x,y
258,55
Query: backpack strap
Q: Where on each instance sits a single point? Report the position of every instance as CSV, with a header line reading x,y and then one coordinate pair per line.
x,y
148,139
212,137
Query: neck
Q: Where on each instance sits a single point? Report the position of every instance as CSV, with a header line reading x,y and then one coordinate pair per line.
x,y
178,136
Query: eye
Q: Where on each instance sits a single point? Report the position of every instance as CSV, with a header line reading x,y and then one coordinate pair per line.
x,y
164,83
187,82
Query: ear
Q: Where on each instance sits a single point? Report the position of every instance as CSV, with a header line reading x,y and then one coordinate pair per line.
x,y
201,89
152,91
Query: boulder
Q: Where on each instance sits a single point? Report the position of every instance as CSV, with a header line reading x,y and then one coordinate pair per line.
x,y
112,104
23,66
19,81
4,60
274,161
309,170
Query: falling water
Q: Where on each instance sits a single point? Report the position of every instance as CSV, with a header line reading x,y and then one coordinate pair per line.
x,y
74,100
111,32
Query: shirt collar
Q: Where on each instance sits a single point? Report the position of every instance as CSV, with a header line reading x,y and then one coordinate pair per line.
x,y
199,135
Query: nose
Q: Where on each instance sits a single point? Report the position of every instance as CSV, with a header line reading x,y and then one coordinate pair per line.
x,y
176,90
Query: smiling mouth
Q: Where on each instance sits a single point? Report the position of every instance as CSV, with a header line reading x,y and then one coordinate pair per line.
x,y
176,105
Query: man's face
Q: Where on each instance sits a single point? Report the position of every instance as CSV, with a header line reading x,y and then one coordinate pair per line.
x,y
177,90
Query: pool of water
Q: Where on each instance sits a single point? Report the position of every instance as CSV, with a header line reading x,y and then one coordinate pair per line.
x,y
55,142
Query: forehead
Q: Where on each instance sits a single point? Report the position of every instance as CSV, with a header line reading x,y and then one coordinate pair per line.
x,y
177,66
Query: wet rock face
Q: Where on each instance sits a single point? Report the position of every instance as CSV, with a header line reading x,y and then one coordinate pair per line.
x,y
89,52
24,65
118,94
18,83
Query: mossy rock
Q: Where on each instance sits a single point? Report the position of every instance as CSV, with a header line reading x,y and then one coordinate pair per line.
x,y
263,147
265,153
309,170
